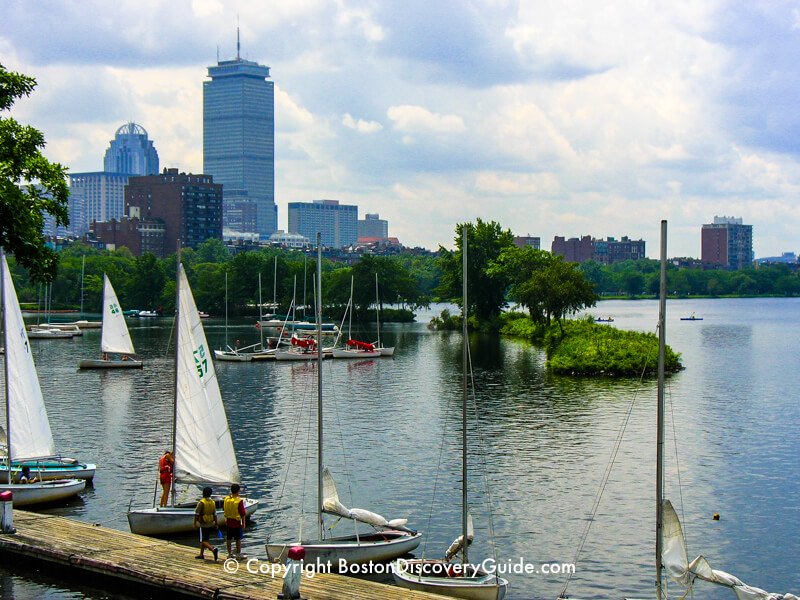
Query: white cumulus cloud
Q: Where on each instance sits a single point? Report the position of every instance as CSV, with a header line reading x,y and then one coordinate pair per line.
x,y
418,119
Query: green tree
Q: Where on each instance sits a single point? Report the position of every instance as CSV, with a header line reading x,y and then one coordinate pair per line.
x,y
147,284
30,185
487,289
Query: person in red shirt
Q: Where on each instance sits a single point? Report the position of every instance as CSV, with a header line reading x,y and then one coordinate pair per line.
x,y
165,466
235,517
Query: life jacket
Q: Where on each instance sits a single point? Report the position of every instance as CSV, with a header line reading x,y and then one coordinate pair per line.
x,y
231,507
208,511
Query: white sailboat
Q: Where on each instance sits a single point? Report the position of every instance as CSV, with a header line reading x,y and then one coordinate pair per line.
x,y
384,350
28,439
670,544
440,576
353,348
202,444
115,338
388,539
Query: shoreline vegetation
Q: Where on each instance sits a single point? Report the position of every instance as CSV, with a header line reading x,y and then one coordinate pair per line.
x,y
584,349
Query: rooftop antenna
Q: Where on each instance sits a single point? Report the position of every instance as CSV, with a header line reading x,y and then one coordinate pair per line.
x,y
238,46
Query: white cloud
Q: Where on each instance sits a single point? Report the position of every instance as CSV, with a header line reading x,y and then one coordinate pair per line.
x,y
417,119
360,125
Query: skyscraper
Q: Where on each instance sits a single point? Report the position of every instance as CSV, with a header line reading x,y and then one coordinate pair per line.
x,y
100,195
338,223
239,140
130,152
726,243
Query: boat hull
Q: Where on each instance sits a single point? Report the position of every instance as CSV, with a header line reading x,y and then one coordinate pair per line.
x,y
175,519
49,469
344,353
387,351
382,546
411,574
232,356
50,334
45,492
109,364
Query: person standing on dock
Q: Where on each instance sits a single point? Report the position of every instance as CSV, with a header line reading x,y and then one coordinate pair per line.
x,y
165,465
234,519
205,517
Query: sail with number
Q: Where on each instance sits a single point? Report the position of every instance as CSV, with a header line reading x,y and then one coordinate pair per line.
x,y
30,435
115,338
203,445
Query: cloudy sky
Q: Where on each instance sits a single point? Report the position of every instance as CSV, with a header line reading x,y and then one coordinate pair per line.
x,y
550,117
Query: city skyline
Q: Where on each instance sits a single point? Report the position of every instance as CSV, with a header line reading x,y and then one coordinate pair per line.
x,y
598,120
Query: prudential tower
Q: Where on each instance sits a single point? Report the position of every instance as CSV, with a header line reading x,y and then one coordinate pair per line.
x,y
239,142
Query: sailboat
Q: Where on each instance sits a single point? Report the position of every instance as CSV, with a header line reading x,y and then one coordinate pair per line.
x,y
670,543
201,439
28,439
388,539
354,348
384,350
439,576
231,354
115,338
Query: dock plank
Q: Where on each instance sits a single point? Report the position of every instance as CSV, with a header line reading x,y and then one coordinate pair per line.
x,y
170,566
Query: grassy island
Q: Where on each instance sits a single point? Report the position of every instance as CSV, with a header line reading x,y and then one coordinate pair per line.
x,y
586,348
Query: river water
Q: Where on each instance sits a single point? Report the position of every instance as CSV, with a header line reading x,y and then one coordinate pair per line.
x,y
393,437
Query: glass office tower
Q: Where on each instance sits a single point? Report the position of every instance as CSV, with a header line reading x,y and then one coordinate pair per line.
x,y
239,140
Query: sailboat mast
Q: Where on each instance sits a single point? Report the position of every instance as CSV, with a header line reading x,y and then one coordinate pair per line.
x,y
318,309
662,337
464,343
350,322
377,311
177,345
83,267
275,282
5,362
260,317
226,310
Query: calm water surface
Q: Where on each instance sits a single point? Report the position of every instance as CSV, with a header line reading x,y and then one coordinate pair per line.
x,y
392,439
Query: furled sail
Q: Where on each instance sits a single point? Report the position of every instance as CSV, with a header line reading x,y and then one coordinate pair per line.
x,y
29,428
115,338
203,445
332,505
675,560
458,543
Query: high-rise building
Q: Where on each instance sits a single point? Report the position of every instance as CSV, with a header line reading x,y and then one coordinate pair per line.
x,y
189,206
130,152
100,195
726,243
338,223
239,140
372,226
606,251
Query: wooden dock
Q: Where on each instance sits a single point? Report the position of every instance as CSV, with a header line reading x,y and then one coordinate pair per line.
x,y
168,566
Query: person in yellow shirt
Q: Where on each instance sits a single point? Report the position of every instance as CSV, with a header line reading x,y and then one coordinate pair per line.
x,y
235,517
205,518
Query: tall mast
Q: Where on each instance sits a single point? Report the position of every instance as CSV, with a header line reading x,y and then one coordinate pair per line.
x,y
177,345
305,259
3,268
226,310
318,309
464,346
83,267
350,322
662,338
377,309
275,283
260,317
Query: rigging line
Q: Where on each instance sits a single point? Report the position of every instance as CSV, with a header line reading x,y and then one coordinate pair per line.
x,y
677,464
293,438
438,469
311,420
481,445
341,435
169,341
606,475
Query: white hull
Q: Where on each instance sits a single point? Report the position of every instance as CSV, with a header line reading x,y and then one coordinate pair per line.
x,y
27,494
50,334
289,355
344,353
483,586
370,547
48,469
175,519
232,356
387,351
109,364
68,327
